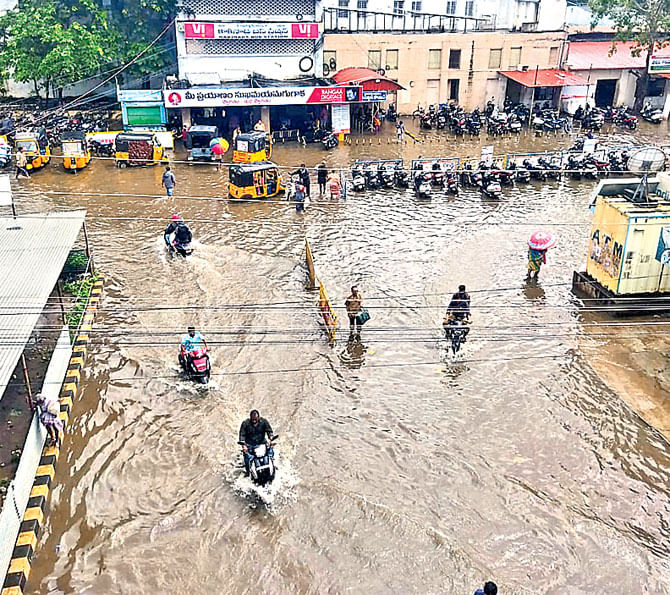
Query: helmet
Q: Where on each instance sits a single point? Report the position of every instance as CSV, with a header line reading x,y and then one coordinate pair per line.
x,y
175,217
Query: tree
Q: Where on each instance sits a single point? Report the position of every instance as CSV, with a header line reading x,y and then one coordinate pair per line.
x,y
52,44
645,21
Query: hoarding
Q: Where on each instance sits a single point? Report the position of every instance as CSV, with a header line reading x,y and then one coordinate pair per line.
x,y
251,30
341,119
659,65
226,96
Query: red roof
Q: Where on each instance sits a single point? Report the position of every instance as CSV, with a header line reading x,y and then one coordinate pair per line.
x,y
544,77
586,55
366,78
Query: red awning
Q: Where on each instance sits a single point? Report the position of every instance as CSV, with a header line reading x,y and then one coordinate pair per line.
x,y
586,55
366,78
544,77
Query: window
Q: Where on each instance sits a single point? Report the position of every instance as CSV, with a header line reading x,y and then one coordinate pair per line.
x,y
515,57
451,7
470,8
398,6
454,85
495,58
416,6
374,59
454,58
434,58
553,56
343,14
362,4
391,59
330,60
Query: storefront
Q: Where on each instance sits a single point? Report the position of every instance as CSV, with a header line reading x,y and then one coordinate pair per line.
x,y
281,108
142,108
558,88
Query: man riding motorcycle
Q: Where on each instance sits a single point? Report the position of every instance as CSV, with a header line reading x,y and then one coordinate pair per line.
x,y
459,309
177,233
253,432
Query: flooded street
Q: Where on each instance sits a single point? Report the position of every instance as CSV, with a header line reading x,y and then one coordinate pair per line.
x,y
403,469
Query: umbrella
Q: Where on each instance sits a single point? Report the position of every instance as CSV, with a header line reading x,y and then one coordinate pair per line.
x,y
541,240
219,145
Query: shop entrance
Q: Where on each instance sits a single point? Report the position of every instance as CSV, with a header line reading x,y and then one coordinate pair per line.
x,y
226,119
605,89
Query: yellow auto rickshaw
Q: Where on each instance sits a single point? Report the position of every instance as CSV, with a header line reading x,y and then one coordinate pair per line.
x,y
76,153
35,145
138,148
251,181
251,147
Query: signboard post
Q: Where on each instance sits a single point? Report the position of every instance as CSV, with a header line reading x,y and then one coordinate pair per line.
x,y
487,154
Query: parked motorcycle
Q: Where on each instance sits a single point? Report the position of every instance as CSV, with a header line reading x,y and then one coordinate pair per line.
x,y
357,179
536,172
422,185
651,114
401,177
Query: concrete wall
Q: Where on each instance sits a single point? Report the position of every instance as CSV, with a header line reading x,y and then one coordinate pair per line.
x,y
424,85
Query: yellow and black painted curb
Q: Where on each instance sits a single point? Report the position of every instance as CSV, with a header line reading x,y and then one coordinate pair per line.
x,y
33,518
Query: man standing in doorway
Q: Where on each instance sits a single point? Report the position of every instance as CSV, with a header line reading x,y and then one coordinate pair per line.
x,y
169,181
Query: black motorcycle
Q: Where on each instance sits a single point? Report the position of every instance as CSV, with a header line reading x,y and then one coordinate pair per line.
x,y
261,464
456,330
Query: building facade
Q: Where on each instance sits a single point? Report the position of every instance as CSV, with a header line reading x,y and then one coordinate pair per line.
x,y
442,67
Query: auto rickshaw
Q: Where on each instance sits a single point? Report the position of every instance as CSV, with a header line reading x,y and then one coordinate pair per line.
x,y
35,144
138,148
251,181
250,147
76,154
197,142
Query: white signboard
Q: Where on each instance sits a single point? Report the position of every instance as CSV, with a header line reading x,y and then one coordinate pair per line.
x,y
659,65
487,154
5,191
341,119
589,146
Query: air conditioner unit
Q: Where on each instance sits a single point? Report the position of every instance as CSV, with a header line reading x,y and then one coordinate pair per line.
x,y
524,68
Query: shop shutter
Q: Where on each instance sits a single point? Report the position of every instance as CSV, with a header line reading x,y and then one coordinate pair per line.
x,y
144,116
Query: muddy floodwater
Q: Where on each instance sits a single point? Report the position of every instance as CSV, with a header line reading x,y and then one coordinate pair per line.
x,y
403,469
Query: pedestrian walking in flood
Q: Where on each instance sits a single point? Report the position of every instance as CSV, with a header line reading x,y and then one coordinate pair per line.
x,y
322,177
50,416
168,180
303,174
21,162
400,131
538,244
490,588
355,310
299,197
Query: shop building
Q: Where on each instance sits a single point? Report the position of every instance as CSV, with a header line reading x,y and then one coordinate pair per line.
x,y
612,70
434,68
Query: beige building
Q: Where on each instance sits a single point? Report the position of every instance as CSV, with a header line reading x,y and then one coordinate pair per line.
x,y
439,67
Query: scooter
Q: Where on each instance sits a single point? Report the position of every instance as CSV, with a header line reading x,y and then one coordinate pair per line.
x,y
330,141
651,114
358,180
536,173
372,180
5,154
552,170
490,186
261,463
437,178
520,174
174,246
422,186
386,176
401,178
452,183
195,364
456,329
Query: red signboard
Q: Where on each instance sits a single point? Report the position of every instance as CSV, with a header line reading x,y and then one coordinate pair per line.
x,y
198,30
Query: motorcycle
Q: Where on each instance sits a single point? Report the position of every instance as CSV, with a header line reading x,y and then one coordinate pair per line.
x,y
505,176
426,122
536,173
422,186
386,176
625,119
372,181
401,178
490,186
575,167
473,127
437,178
452,184
456,330
514,124
195,364
5,153
552,170
520,174
651,114
358,180
330,141
261,463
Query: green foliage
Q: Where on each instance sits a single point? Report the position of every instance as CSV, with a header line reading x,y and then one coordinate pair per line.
x,y
76,259
81,291
645,21
54,43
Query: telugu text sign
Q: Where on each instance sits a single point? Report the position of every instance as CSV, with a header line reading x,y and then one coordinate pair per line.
x,y
251,30
224,96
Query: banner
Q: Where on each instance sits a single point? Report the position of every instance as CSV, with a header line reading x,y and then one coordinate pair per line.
x,y
251,30
659,65
227,96
341,119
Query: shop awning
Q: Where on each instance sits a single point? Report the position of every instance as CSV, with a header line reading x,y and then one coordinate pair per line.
x,y
544,77
604,55
366,78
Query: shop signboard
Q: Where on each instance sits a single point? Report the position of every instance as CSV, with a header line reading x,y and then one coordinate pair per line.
x,y
370,96
251,30
139,95
228,96
341,119
659,65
